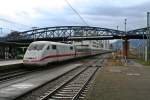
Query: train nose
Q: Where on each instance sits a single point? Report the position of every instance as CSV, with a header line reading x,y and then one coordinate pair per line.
x,y
32,55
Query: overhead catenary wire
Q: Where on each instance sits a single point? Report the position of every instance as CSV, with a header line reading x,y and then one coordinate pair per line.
x,y
12,22
77,13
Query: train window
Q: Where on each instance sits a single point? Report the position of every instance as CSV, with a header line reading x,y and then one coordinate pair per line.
x,y
48,48
53,46
71,48
36,47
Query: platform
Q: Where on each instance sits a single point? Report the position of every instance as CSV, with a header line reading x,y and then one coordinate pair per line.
x,y
130,82
10,62
13,89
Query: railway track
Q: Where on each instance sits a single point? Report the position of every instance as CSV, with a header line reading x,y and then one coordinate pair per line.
x,y
76,80
73,88
70,86
13,74
6,76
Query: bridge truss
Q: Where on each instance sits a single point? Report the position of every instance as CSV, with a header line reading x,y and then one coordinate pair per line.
x,y
65,33
61,33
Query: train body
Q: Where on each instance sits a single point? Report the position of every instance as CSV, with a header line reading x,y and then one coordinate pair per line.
x,y
43,52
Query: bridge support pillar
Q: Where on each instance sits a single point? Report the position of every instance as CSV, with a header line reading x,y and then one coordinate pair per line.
x,y
125,48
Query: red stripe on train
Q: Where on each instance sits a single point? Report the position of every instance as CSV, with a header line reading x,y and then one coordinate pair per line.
x,y
60,55
53,56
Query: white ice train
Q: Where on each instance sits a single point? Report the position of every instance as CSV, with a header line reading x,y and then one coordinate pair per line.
x,y
44,52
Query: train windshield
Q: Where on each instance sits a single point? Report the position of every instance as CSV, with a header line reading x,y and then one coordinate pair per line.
x,y
36,47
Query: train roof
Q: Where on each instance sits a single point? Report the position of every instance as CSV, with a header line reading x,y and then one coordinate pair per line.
x,y
50,42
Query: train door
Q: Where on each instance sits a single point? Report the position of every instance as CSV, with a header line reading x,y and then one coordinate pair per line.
x,y
47,54
60,52
67,52
55,52
50,53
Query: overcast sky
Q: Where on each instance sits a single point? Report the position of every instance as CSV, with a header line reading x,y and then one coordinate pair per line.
x,y
101,13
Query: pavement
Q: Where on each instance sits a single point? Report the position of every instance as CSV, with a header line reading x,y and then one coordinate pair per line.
x,y
130,82
10,62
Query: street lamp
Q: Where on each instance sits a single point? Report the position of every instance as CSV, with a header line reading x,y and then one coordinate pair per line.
x,y
117,27
1,30
125,25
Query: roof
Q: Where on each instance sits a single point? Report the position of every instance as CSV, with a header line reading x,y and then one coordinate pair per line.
x,y
56,43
